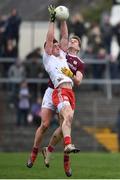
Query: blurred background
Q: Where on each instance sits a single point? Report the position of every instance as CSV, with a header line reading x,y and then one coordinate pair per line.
x,y
23,27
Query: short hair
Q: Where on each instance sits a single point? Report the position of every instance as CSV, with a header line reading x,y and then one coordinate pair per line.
x,y
76,37
54,41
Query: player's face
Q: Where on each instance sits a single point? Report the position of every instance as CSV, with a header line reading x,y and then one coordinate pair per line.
x,y
56,49
74,43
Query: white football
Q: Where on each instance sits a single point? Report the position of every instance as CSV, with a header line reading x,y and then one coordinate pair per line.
x,y
62,13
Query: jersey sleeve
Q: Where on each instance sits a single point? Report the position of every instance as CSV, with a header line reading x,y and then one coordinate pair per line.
x,y
45,58
81,66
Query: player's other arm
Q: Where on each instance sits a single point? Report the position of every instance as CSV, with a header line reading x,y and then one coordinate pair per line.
x,y
49,39
78,78
64,35
50,33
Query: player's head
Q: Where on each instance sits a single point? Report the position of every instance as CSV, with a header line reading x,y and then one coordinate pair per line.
x,y
74,43
56,48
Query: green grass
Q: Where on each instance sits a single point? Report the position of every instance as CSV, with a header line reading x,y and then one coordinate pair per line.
x,y
84,166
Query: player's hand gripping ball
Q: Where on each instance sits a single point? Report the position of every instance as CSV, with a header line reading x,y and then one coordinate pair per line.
x,y
62,13
52,13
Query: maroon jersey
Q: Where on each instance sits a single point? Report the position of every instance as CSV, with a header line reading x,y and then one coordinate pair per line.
x,y
75,64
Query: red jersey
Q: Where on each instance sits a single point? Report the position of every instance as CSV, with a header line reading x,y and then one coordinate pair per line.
x,y
75,64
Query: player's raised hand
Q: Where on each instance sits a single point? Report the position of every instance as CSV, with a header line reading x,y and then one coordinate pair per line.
x,y
52,13
67,72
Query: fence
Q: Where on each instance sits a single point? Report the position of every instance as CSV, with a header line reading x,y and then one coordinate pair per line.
x,y
106,80
95,113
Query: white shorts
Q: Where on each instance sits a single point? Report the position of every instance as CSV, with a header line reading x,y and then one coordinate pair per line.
x,y
47,99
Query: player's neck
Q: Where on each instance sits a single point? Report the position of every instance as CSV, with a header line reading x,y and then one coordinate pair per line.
x,y
72,52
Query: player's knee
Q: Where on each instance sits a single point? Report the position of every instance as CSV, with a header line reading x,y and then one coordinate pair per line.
x,y
69,117
68,120
45,126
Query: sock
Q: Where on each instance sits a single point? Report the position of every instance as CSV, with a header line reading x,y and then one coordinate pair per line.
x,y
34,153
66,157
66,163
67,140
50,148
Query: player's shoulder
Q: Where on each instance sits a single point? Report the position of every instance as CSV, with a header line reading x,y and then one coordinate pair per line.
x,y
76,58
62,53
80,59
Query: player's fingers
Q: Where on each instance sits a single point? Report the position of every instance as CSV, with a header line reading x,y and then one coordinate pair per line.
x,y
65,69
62,68
50,8
54,7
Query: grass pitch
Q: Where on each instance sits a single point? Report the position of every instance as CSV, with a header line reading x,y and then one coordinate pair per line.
x,y
84,166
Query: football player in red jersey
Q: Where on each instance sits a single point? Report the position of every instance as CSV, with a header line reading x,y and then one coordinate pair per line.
x,y
76,65
48,108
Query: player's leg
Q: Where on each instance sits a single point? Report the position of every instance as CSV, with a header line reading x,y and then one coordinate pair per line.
x,y
67,113
46,116
64,100
47,151
67,165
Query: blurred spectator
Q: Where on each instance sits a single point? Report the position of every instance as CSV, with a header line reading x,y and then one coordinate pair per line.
x,y
107,32
16,73
98,69
117,34
94,37
34,70
13,26
10,51
36,110
96,51
115,62
78,27
23,104
114,69
115,15
3,24
36,53
43,86
118,129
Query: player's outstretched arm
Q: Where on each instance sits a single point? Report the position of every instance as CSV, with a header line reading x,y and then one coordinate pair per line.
x,y
64,35
50,33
